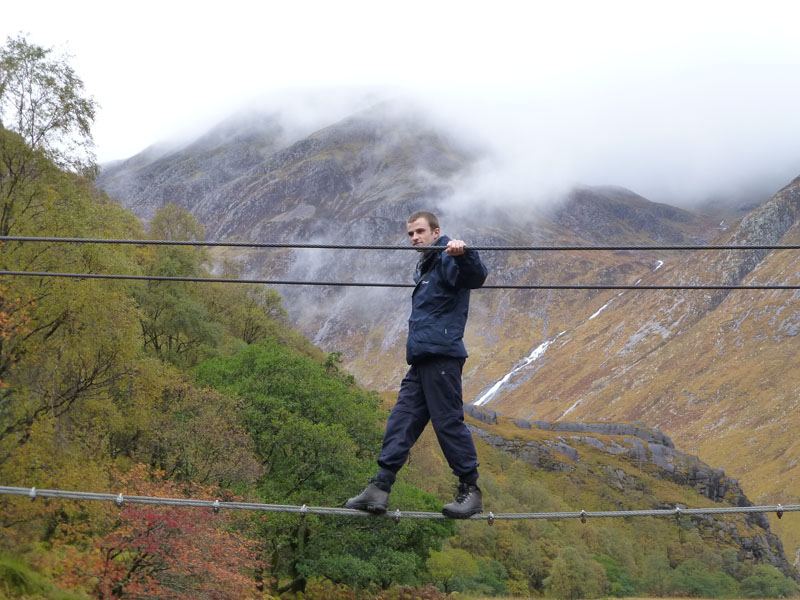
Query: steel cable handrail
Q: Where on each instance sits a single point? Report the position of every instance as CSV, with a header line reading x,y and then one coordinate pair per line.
x,y
765,286
300,245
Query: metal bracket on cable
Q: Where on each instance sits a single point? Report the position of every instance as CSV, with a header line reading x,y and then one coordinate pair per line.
x,y
32,494
215,506
780,511
120,500
583,516
397,515
491,518
678,514
303,511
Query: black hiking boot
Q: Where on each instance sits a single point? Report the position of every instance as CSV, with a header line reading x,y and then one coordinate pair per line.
x,y
373,499
468,502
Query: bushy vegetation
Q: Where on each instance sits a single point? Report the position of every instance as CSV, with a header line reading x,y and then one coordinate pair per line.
x,y
204,391
600,558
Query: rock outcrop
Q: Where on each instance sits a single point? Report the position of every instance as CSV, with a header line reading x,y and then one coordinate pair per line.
x,y
645,449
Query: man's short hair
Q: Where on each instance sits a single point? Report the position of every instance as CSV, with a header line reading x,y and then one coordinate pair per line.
x,y
431,218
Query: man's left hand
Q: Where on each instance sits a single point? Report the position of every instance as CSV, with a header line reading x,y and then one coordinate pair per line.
x,y
456,247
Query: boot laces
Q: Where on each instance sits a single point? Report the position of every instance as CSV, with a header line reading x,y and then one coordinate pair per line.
x,y
463,493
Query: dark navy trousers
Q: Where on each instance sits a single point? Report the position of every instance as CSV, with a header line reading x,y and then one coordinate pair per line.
x,y
430,391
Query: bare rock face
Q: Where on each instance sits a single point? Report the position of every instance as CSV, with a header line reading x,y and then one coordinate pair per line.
x,y
187,175
645,445
647,434
539,455
606,214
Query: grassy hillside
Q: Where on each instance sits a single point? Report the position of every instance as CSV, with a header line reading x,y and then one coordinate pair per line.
x,y
630,549
716,371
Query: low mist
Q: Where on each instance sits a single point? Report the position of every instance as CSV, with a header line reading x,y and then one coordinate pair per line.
x,y
688,138
685,140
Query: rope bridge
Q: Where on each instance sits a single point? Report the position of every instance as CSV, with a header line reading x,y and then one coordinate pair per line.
x,y
397,515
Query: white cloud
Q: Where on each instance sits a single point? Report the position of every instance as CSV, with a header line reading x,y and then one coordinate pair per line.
x,y
670,99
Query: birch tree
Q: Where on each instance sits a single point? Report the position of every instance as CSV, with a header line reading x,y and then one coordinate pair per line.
x,y
44,101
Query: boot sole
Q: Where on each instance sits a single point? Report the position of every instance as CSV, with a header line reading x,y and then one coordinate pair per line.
x,y
459,515
375,509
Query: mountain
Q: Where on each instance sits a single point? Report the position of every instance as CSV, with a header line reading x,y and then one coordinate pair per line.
x,y
716,371
355,182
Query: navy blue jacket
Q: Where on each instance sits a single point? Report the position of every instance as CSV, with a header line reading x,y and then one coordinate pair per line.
x,y
440,303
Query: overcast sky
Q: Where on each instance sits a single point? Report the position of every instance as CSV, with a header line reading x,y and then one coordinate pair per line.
x,y
675,100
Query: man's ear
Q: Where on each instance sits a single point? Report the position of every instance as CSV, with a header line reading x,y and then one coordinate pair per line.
x,y
436,232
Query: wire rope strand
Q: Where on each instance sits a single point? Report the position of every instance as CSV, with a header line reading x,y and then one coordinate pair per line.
x,y
549,286
299,245
216,505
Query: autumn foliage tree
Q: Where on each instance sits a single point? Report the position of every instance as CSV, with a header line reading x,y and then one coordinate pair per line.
x,y
151,551
13,322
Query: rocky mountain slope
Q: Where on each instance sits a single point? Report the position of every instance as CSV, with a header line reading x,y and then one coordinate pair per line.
x,y
356,182
716,371
637,452
162,175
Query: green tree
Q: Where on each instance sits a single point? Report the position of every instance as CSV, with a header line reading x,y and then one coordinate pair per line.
x,y
191,434
620,581
693,578
768,582
656,573
574,576
75,345
450,564
13,321
172,222
316,438
250,312
24,174
43,100
175,321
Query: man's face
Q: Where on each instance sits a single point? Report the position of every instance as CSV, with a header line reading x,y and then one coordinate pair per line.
x,y
420,232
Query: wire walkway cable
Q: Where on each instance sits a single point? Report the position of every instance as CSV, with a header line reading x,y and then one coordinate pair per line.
x,y
544,286
216,506
543,248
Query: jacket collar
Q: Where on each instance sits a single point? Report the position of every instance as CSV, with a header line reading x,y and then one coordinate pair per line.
x,y
429,257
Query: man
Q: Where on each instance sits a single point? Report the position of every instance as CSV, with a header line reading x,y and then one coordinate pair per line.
x,y
431,390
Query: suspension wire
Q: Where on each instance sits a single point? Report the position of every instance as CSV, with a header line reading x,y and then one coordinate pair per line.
x,y
216,506
233,244
766,286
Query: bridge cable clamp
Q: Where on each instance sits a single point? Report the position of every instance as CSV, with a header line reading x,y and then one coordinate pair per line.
x,y
780,511
490,519
32,494
215,506
303,511
120,500
583,516
397,515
